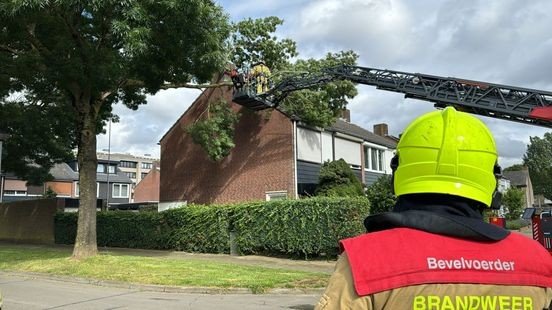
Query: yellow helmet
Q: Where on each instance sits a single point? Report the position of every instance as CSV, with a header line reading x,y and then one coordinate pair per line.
x,y
446,152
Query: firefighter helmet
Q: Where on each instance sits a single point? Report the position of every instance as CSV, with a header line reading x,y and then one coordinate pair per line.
x,y
446,152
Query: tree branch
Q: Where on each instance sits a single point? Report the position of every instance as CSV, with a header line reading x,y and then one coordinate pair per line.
x,y
8,49
35,43
195,86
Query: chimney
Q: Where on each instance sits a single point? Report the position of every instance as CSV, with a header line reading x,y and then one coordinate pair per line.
x,y
381,130
345,115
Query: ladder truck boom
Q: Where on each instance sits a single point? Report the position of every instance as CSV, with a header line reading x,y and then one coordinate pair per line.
x,y
511,103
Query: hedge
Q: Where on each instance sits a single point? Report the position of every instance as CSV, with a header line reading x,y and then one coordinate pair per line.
x,y
298,227
306,227
144,230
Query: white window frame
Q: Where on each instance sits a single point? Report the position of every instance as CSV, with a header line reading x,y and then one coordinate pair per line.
x,y
120,185
146,165
276,195
15,193
380,162
77,189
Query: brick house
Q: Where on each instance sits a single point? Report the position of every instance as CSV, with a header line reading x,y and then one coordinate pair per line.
x,y
148,188
275,157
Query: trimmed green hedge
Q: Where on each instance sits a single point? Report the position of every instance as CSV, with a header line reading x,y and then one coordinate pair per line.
x,y
144,230
306,227
298,227
197,228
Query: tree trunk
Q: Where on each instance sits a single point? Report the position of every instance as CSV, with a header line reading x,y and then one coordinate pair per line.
x,y
85,243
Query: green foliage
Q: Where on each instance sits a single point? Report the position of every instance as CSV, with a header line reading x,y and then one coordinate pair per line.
x,y
516,167
380,196
337,179
40,136
197,228
307,227
320,105
144,230
513,200
254,39
304,227
538,158
50,193
215,133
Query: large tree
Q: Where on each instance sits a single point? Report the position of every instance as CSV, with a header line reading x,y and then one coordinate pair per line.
x,y
253,40
87,55
538,158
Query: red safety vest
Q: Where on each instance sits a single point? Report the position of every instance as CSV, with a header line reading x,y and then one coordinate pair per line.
x,y
400,257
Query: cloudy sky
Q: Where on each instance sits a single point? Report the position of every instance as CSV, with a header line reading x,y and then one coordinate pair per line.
x,y
500,41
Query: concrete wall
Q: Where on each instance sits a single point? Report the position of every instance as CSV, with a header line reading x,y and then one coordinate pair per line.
x,y
28,221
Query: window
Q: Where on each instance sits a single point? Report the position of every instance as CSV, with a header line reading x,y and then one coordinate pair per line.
x,y
280,195
144,174
100,168
131,175
77,189
111,169
120,191
373,159
128,164
15,193
146,165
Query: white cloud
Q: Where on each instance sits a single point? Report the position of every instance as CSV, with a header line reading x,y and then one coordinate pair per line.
x,y
138,132
500,41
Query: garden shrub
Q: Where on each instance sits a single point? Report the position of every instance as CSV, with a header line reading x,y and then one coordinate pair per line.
x,y
337,179
380,195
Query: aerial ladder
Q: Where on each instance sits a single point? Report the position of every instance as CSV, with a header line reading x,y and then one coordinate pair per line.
x,y
510,103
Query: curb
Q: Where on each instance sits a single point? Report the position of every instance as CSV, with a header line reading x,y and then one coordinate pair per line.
x,y
161,288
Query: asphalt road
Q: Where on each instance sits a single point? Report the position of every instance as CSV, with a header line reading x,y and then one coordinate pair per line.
x,y
30,293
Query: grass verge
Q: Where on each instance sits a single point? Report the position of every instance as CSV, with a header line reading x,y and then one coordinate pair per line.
x,y
162,271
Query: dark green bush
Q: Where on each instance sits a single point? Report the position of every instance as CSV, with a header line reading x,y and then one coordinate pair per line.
x,y
65,228
380,195
298,227
337,179
307,227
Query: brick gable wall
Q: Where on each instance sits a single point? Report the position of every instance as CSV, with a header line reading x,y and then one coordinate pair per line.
x,y
148,188
262,160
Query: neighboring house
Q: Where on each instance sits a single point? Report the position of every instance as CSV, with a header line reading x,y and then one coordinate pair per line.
x,y
368,154
275,157
135,167
15,189
522,180
113,189
148,189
